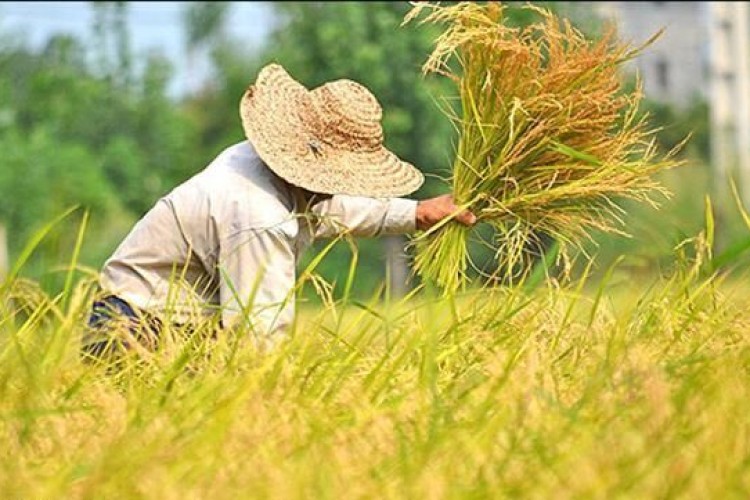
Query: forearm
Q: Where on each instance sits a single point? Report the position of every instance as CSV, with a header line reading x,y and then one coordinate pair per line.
x,y
366,217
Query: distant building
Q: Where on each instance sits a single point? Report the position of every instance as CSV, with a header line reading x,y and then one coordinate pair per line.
x,y
675,69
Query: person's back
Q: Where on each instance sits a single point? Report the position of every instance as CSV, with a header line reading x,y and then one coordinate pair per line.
x,y
169,263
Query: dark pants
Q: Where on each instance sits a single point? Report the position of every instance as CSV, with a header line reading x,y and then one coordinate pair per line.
x,y
110,314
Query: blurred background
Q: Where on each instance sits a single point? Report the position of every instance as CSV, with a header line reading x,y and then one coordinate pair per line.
x,y
109,105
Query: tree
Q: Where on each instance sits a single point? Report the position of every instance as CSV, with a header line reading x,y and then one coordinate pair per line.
x,y
112,42
99,136
204,26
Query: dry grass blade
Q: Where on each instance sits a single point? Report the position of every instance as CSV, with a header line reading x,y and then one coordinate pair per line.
x,y
549,141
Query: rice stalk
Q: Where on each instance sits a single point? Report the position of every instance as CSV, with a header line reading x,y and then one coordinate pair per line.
x,y
550,140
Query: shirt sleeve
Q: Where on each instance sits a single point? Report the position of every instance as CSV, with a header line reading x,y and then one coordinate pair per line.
x,y
257,269
362,216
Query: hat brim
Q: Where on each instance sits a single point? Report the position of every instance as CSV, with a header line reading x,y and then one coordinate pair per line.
x,y
270,117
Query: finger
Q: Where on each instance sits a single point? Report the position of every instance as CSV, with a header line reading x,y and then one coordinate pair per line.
x,y
466,218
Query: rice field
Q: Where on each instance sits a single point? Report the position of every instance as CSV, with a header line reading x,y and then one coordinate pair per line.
x,y
605,388
615,386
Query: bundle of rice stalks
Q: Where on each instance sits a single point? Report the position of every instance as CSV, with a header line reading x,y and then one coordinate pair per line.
x,y
549,137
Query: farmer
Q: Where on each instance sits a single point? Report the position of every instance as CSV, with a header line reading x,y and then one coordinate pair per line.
x,y
224,244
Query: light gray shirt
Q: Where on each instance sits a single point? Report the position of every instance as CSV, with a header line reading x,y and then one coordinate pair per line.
x,y
228,240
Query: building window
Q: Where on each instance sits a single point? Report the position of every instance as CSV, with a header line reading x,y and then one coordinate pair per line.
x,y
662,75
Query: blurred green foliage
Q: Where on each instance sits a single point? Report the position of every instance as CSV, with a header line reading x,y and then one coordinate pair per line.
x,y
92,134
88,125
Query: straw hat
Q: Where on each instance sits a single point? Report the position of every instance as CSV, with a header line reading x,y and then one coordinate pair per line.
x,y
328,140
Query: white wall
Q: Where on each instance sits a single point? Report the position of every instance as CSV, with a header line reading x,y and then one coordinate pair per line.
x,y
675,68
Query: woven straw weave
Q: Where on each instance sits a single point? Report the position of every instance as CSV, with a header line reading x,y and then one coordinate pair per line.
x,y
328,140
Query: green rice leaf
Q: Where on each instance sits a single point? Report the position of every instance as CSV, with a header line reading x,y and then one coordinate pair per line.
x,y
559,147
